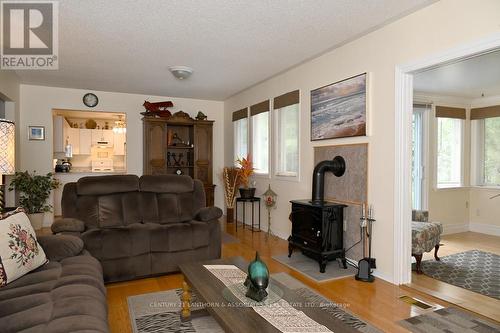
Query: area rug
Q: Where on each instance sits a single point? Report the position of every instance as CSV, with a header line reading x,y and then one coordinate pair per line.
x,y
449,320
474,270
159,312
310,267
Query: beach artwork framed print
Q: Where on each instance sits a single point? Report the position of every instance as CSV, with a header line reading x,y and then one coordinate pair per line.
x,y
338,110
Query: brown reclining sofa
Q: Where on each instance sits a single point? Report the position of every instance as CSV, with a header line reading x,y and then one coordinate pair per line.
x,y
141,226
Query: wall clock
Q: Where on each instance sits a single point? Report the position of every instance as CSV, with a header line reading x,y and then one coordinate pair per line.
x,y
90,100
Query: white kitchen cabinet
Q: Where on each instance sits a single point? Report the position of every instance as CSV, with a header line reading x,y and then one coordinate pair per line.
x,y
58,134
102,135
64,134
73,138
119,143
85,141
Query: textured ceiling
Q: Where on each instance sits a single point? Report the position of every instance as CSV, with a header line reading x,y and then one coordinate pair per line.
x,y
468,78
128,45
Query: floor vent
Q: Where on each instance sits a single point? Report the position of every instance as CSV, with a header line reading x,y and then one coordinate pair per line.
x,y
416,302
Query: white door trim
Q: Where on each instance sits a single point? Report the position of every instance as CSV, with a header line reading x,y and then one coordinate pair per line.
x,y
403,106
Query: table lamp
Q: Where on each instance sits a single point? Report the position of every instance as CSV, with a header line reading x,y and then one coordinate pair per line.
x,y
7,154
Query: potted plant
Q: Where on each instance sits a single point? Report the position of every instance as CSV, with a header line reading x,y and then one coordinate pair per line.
x,y
34,191
246,169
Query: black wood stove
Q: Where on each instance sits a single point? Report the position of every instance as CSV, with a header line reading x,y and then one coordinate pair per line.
x,y
317,225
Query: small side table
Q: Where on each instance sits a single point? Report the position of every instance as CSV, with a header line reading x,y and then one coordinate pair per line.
x,y
244,202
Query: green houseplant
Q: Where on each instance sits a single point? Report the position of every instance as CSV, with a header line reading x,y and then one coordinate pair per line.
x,y
34,191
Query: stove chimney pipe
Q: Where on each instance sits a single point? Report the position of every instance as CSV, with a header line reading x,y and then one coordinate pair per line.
x,y
336,166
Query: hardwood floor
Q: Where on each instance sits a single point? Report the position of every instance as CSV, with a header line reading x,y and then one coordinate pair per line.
x,y
464,298
376,302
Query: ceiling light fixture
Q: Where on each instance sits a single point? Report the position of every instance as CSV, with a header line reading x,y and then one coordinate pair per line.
x,y
120,126
181,72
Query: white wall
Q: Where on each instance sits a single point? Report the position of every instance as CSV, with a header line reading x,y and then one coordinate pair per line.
x,y
37,103
441,26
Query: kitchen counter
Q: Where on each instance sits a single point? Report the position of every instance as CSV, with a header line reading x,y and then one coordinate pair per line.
x,y
88,171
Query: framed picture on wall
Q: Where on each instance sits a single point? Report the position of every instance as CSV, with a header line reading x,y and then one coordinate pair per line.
x,y
338,110
36,133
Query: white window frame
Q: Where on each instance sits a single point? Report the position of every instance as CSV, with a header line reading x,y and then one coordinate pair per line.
x,y
286,176
462,156
269,140
235,143
424,156
477,155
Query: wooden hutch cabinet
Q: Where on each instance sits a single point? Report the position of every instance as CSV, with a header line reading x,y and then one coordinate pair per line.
x,y
180,145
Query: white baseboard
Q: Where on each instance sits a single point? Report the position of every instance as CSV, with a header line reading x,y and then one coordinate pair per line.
x,y
488,229
382,276
454,228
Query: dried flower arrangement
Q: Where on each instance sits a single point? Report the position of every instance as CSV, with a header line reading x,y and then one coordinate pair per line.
x,y
245,166
232,179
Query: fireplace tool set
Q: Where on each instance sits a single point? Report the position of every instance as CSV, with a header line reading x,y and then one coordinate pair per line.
x,y
366,264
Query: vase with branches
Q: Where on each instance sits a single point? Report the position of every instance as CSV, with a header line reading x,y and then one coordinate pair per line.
x,y
231,180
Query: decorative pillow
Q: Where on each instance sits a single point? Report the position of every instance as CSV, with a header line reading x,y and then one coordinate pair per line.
x,y
20,252
5,215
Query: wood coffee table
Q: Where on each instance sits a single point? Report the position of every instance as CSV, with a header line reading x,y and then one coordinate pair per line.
x,y
244,319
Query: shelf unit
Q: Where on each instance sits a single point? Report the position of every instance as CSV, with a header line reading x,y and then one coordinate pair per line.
x,y
180,145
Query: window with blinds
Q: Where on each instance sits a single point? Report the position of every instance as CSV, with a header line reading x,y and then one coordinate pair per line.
x,y
240,132
486,122
259,115
286,110
449,150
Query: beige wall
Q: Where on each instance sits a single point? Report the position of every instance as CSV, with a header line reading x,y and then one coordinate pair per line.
x,y
484,213
37,103
441,26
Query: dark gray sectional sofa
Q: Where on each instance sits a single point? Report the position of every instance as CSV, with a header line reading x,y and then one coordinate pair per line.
x,y
134,227
139,227
65,295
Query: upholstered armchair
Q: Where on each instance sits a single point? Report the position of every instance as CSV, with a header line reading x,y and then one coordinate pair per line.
x,y
425,236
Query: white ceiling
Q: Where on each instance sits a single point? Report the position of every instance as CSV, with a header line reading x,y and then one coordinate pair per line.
x,y
128,45
468,78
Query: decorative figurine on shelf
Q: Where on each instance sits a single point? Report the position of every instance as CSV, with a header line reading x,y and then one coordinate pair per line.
x,y
177,141
177,159
181,116
201,116
257,279
169,163
158,109
270,201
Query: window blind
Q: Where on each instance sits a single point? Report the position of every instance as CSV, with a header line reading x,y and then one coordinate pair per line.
x,y
240,114
259,108
287,99
486,112
449,112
